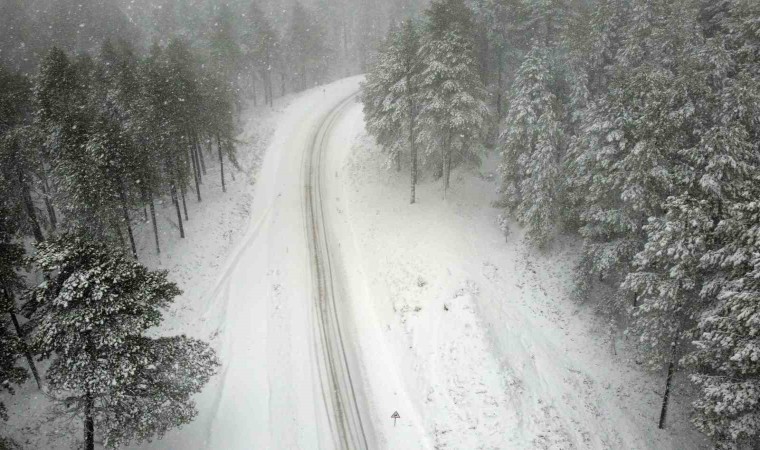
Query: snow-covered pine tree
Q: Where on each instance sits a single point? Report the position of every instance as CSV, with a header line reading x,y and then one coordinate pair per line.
x,y
65,114
263,50
307,53
390,98
533,148
158,130
93,314
626,161
217,118
226,57
19,158
453,111
726,358
666,282
11,345
182,112
11,349
711,159
505,23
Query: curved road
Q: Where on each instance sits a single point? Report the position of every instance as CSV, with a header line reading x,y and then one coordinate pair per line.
x,y
338,386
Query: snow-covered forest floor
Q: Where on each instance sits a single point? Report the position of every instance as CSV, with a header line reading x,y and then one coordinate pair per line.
x,y
490,347
193,263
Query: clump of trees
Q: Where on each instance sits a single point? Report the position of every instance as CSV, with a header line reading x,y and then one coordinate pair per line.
x,y
633,124
424,91
98,140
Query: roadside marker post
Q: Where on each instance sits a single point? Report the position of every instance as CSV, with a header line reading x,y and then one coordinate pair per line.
x,y
394,417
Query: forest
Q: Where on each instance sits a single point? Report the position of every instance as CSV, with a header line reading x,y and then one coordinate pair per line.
x,y
631,125
108,109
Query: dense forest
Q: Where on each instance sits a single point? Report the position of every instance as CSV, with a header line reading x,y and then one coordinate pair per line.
x,y
630,124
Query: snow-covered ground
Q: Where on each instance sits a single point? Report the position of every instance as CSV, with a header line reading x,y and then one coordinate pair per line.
x,y
473,340
480,329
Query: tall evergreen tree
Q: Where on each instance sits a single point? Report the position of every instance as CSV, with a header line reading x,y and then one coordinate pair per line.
x,y
93,315
11,344
533,148
727,342
452,97
307,53
390,96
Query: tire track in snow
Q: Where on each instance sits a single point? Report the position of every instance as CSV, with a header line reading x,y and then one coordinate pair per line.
x,y
338,391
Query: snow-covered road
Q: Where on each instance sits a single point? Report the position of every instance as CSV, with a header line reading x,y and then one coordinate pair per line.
x,y
286,380
278,315
343,409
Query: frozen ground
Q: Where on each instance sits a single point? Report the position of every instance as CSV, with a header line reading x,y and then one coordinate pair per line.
x,y
473,340
490,348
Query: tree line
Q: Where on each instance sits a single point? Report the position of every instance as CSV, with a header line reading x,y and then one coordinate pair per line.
x,y
630,123
88,146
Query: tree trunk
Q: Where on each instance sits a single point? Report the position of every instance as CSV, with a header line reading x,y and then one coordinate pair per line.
x,y
199,152
89,422
196,173
668,381
282,84
446,163
253,89
413,149
125,214
184,203
117,229
398,160
20,334
48,204
155,224
29,206
271,91
412,121
221,161
499,83
27,353
175,200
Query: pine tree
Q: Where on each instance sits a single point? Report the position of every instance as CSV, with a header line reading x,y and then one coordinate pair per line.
x,y
727,342
724,360
264,50
160,130
65,115
217,119
181,91
533,148
505,23
93,314
307,53
225,51
390,96
452,106
11,345
19,156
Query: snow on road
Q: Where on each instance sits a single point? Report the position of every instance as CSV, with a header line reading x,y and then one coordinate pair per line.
x,y
260,312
